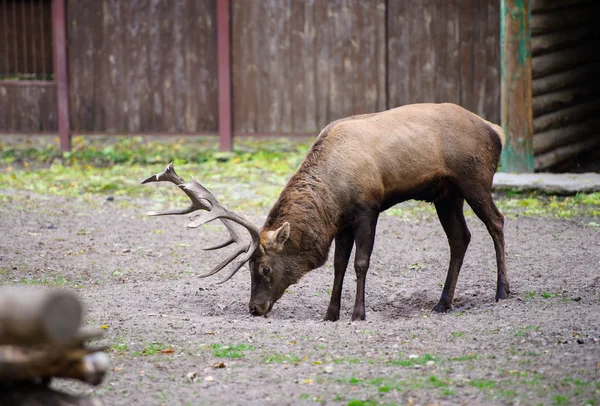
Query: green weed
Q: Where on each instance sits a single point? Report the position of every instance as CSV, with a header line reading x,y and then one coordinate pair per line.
x,y
230,351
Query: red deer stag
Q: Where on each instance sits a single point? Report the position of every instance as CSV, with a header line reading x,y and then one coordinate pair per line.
x,y
357,168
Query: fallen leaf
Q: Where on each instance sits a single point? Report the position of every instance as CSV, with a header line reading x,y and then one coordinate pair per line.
x,y
167,351
191,376
117,369
104,326
308,381
317,362
219,365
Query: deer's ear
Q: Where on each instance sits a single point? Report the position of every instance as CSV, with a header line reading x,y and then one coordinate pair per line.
x,y
278,237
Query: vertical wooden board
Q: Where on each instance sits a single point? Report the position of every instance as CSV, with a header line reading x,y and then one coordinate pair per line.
x,y
84,18
452,73
243,71
180,83
74,35
200,40
154,68
322,51
135,77
167,72
4,103
48,110
397,48
492,44
467,37
99,68
302,38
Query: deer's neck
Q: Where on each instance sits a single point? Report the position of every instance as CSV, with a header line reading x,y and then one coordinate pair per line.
x,y
308,205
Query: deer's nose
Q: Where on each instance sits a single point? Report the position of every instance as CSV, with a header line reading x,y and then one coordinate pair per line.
x,y
254,309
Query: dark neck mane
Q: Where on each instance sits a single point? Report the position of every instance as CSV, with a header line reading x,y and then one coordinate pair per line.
x,y
307,204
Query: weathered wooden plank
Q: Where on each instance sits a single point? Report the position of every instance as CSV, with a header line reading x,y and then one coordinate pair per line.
x,y
555,138
558,155
306,63
557,20
566,116
143,65
562,80
517,114
550,102
440,51
555,41
568,58
538,6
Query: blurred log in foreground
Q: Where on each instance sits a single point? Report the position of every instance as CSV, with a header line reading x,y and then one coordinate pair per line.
x,y
41,339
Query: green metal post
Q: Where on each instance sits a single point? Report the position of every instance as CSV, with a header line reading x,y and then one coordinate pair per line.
x,y
517,115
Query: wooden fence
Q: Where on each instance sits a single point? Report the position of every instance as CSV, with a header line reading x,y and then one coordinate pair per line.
x,y
151,66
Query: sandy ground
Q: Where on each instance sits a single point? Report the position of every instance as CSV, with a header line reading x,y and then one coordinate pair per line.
x,y
137,275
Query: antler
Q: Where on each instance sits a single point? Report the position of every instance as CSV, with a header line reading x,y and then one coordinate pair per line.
x,y
203,199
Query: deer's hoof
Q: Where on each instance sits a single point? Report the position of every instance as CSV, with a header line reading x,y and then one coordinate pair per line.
x,y
332,316
442,307
502,294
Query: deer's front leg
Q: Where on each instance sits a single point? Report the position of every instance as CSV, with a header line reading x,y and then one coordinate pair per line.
x,y
365,238
343,248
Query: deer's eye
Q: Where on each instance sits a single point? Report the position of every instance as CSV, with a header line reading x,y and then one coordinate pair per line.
x,y
266,271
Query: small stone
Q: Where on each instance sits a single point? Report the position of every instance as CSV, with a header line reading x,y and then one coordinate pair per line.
x,y
580,341
208,379
328,369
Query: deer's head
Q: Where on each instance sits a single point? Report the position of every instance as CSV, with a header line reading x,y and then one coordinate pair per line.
x,y
266,251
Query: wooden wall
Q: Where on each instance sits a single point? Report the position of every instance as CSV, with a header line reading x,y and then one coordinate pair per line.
x,y
566,79
445,51
28,107
142,66
149,66
298,65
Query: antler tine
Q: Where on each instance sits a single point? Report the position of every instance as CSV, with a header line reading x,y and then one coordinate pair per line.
x,y
203,199
169,175
220,212
233,237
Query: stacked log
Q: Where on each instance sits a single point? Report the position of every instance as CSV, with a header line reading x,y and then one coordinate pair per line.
x,y
565,67
41,339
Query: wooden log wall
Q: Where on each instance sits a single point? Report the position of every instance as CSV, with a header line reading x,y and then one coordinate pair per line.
x,y
300,64
565,47
28,107
143,66
445,51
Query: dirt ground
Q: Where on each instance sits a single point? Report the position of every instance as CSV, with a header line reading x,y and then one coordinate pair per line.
x,y
174,338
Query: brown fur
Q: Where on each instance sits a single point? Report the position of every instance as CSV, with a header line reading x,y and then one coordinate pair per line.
x,y
362,165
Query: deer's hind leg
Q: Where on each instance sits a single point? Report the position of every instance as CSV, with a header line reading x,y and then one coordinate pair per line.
x,y
450,213
484,207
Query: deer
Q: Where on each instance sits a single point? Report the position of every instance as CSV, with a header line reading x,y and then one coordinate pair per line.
x,y
356,168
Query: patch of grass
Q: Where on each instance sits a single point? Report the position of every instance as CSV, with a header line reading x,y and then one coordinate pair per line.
x,y
347,360
151,349
120,347
457,334
462,358
413,360
482,383
560,400
230,351
356,402
525,330
282,359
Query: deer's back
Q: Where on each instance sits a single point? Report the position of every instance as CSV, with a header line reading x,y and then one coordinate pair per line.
x,y
402,153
